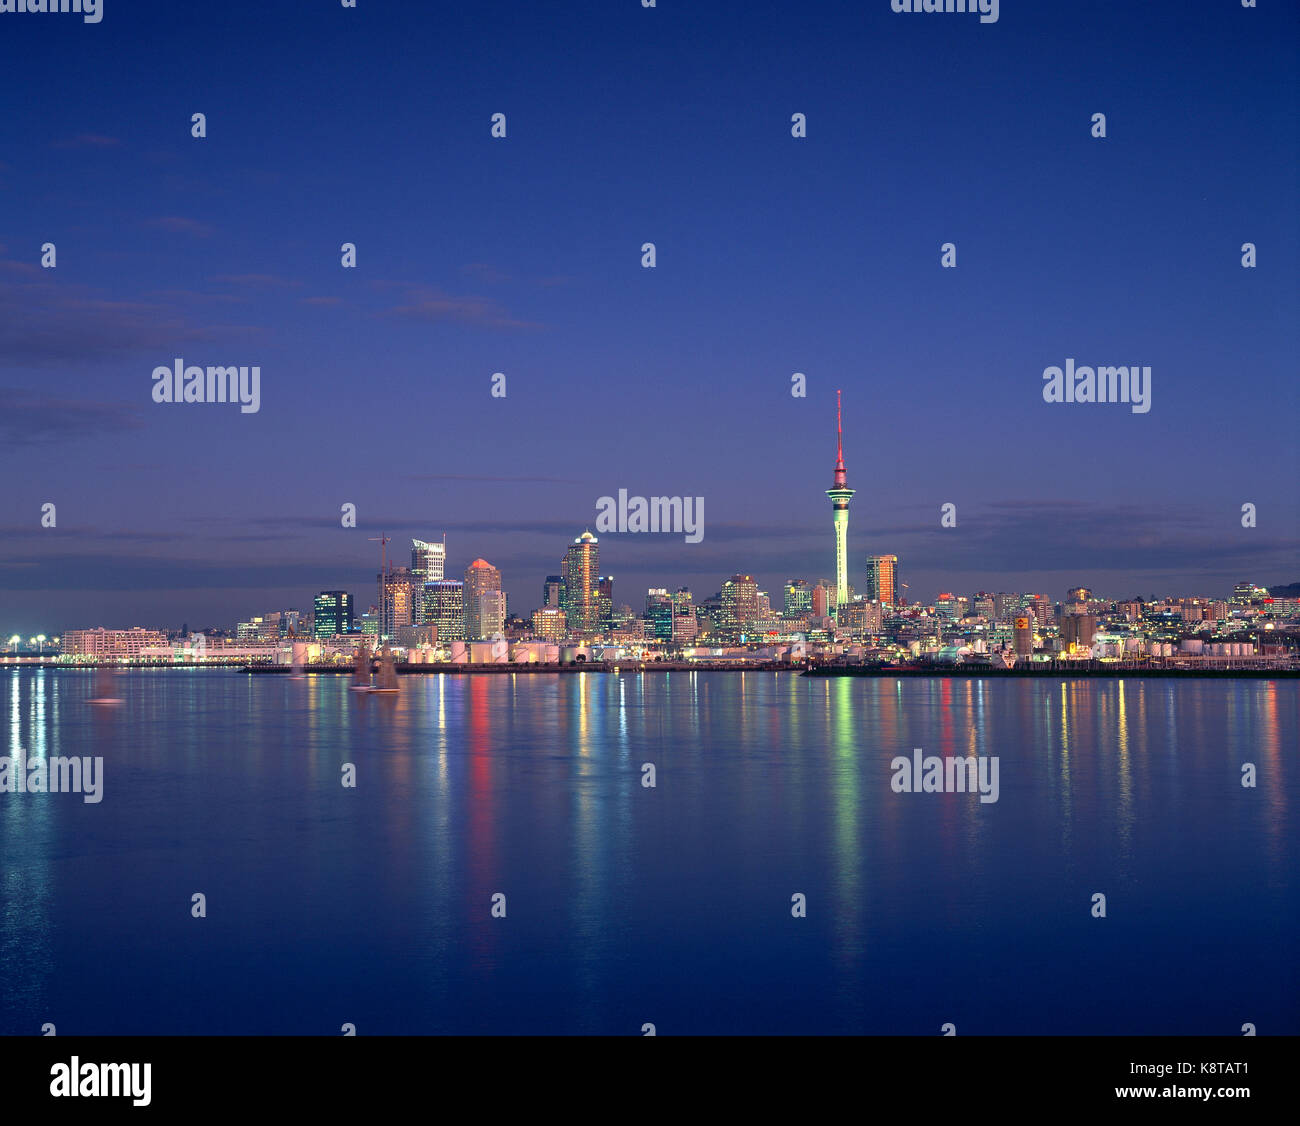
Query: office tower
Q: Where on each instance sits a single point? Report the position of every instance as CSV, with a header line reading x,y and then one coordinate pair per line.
x,y
684,624
444,608
882,579
798,598
739,606
491,613
581,572
549,625
821,601
947,605
1078,594
401,601
1039,607
480,578
333,613
1006,607
553,592
605,603
659,613
840,495
429,560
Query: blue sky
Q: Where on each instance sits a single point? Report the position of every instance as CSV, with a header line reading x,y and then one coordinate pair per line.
x,y
775,255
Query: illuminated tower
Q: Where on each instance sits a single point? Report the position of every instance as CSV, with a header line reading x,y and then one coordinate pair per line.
x,y
840,496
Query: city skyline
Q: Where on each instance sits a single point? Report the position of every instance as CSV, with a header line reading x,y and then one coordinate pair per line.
x,y
777,256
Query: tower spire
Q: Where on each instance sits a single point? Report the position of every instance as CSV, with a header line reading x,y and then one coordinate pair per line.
x,y
840,475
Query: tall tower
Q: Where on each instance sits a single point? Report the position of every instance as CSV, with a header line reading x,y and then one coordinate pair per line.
x,y
840,496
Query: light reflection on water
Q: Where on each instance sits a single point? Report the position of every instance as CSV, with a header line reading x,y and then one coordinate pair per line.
x,y
627,904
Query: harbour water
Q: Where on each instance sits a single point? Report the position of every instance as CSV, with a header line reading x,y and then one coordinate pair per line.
x,y
672,905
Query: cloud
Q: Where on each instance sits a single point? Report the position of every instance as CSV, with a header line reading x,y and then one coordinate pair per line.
x,y
44,323
258,281
475,477
433,306
485,273
326,302
194,297
179,225
27,418
86,141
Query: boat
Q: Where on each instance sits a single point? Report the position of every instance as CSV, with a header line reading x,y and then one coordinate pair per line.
x,y
387,674
361,674
104,689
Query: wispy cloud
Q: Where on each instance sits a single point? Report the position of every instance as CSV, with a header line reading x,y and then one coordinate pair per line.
x,y
433,306
86,141
28,419
44,323
179,225
258,281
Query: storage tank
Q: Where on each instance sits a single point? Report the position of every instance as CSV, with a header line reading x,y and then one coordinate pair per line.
x,y
459,655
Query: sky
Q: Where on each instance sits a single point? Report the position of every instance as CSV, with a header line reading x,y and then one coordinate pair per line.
x,y
774,255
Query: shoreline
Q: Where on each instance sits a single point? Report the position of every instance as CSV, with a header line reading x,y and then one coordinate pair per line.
x,y
872,672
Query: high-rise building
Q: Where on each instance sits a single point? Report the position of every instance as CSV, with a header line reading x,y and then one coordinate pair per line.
x,y
685,625
553,592
333,609
491,613
605,603
798,598
581,589
401,601
429,560
1006,607
739,606
659,613
481,578
444,607
882,579
840,495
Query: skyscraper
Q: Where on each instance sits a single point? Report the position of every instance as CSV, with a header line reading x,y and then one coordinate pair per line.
x,y
798,598
739,606
444,607
401,601
483,617
882,579
333,613
429,560
605,603
659,613
581,591
840,495
553,593
685,626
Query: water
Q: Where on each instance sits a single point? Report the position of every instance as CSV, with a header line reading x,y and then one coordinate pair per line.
x,y
627,905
